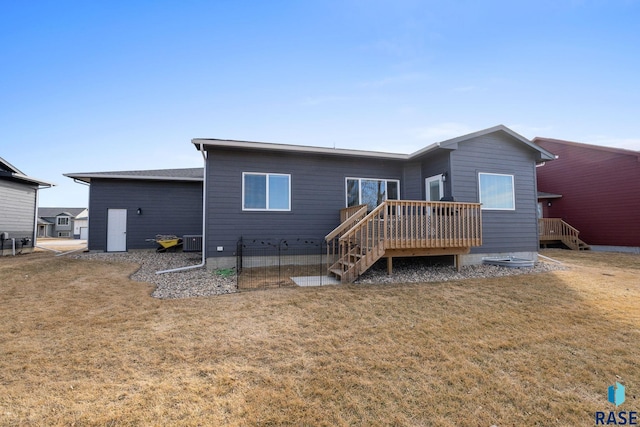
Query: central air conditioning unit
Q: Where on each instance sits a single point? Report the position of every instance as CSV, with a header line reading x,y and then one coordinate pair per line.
x,y
192,243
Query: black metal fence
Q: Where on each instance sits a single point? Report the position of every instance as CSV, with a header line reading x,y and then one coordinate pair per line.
x,y
272,263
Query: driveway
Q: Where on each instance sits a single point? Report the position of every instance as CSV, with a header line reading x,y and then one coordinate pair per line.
x,y
61,244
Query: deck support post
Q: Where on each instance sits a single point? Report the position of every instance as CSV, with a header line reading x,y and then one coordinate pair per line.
x,y
389,265
458,262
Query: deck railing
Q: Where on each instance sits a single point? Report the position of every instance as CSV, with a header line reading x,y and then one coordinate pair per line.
x,y
555,229
403,224
416,224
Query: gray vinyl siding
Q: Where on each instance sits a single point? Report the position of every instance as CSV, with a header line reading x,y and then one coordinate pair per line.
x,y
502,231
168,207
411,182
17,209
317,194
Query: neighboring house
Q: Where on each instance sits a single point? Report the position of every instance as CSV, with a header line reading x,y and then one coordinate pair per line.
x,y
596,190
18,204
81,225
130,207
62,222
287,192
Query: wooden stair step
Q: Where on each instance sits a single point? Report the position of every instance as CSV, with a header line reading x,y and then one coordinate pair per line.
x,y
337,272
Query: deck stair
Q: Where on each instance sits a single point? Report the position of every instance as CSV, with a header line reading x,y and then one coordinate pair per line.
x,y
400,228
555,230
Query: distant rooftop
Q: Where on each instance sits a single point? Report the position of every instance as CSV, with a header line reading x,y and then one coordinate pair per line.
x,y
54,212
625,151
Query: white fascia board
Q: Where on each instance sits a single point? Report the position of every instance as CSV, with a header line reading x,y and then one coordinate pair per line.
x,y
450,144
41,184
267,146
87,177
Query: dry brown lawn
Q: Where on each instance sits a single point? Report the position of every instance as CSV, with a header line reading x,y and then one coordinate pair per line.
x,y
81,344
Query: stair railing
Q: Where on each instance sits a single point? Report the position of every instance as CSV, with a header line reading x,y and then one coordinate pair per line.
x,y
349,217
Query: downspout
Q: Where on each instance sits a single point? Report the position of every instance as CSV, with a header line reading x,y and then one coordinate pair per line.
x,y
35,220
204,221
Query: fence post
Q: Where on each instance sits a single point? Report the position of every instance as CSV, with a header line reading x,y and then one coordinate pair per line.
x,y
238,261
321,264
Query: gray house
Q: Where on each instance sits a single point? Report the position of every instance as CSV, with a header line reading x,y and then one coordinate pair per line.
x,y
18,203
62,222
471,196
129,207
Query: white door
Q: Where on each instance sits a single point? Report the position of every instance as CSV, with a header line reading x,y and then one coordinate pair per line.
x,y
84,233
434,188
116,230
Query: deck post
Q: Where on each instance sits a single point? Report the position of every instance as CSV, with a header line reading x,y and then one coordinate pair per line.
x,y
458,263
389,265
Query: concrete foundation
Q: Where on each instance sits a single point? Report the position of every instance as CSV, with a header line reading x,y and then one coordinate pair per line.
x,y
625,249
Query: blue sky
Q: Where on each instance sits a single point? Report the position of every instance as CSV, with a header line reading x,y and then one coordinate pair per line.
x,y
89,86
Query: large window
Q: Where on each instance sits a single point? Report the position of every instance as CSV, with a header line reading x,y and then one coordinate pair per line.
x,y
266,192
496,191
63,220
371,192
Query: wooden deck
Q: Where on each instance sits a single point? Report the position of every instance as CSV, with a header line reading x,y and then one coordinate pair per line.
x,y
555,230
399,228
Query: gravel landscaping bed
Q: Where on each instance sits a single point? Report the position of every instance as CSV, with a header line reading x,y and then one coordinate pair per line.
x,y
197,282
413,271
200,282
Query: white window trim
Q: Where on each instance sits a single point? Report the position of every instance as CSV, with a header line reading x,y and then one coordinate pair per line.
x,y
346,187
62,217
426,186
267,175
513,192
64,234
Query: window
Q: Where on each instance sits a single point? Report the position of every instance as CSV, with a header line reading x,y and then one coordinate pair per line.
x,y
496,191
64,234
371,192
63,220
266,192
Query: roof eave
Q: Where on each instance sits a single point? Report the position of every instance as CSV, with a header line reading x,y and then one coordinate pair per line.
x,y
28,180
201,143
86,177
623,151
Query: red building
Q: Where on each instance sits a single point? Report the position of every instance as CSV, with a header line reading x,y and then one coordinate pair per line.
x,y
595,189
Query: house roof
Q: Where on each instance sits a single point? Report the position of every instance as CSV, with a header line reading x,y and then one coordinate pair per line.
x,y
450,144
54,212
83,215
290,148
623,151
10,172
187,174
